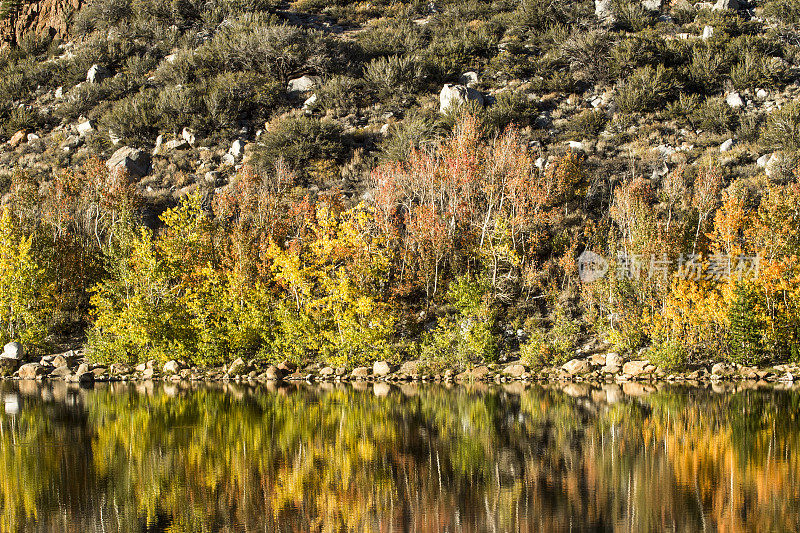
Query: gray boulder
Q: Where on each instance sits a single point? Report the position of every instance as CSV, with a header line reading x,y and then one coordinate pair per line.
x,y
118,369
515,370
175,144
66,359
172,367
13,350
410,368
189,136
236,149
287,367
614,359
31,371
237,367
381,368
454,94
84,128
603,10
734,100
468,78
136,163
61,372
726,146
576,366
360,372
637,368
734,5
273,373
303,84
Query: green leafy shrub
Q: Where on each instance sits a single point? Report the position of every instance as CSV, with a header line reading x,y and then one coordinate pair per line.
x,y
138,310
299,140
277,51
412,132
23,297
786,11
588,55
135,118
21,118
554,345
394,76
587,123
669,355
540,16
746,338
454,46
750,125
511,107
631,15
635,51
234,96
644,89
706,68
181,106
782,128
716,115
163,299
341,94
751,71
684,108
390,37
13,85
466,337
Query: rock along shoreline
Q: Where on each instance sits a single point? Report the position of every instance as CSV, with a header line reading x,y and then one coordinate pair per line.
x,y
72,367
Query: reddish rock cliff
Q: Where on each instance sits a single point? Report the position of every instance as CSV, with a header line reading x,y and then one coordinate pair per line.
x,y
40,16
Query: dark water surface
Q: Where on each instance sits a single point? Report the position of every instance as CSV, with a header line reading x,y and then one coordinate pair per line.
x,y
153,457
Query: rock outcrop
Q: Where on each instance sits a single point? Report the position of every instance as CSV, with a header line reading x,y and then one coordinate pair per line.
x,y
43,17
135,162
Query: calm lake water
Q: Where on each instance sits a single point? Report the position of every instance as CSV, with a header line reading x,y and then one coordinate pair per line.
x,y
154,457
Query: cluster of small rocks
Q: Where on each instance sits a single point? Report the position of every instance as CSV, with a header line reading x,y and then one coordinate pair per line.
x,y
608,367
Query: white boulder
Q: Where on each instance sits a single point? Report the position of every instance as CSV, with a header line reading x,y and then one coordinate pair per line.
x,y
734,100
726,146
468,78
13,350
303,84
189,136
96,74
454,94
84,128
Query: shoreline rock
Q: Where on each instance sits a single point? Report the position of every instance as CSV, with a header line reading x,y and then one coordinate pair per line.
x,y
593,368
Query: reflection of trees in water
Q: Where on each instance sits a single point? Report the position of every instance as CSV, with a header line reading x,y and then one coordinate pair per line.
x,y
233,457
47,442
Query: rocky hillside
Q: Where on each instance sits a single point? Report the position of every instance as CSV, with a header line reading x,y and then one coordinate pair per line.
x,y
183,95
